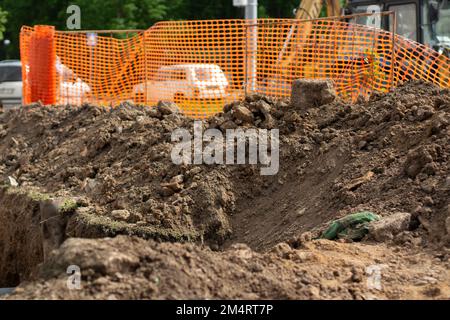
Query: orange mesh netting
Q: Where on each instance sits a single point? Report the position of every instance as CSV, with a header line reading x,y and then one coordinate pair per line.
x,y
41,83
202,65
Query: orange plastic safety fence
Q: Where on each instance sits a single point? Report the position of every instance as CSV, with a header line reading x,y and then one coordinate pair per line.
x,y
414,61
41,83
201,65
357,58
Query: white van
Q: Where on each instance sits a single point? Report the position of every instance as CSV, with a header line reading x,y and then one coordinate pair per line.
x,y
184,82
10,83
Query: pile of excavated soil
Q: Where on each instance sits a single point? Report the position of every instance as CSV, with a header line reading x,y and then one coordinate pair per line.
x,y
387,155
117,162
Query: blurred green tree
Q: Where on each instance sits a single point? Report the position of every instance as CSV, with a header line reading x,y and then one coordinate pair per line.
x,y
3,20
127,14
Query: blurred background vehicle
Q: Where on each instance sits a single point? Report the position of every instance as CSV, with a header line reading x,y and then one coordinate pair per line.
x,y
10,83
72,90
184,82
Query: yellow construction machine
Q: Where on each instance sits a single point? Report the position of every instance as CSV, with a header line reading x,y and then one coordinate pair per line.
x,y
308,10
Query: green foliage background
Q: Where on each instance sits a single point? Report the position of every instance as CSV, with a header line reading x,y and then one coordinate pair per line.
x,y
3,20
121,14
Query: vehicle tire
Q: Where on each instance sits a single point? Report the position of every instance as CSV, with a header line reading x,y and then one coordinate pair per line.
x,y
179,98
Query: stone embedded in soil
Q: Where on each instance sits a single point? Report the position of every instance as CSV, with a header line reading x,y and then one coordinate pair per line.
x,y
387,227
167,107
228,125
260,106
447,221
122,215
12,182
309,93
166,192
102,261
89,185
243,114
420,159
447,182
175,185
268,123
282,250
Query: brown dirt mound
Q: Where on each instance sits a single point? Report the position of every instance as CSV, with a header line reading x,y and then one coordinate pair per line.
x,y
119,159
387,155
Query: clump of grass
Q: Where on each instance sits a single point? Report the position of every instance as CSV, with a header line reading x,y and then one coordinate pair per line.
x,y
38,196
68,205
109,227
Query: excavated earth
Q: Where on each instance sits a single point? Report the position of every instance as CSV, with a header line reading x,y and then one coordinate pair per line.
x,y
96,187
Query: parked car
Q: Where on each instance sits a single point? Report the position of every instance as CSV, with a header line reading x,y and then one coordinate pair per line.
x,y
184,82
72,90
10,83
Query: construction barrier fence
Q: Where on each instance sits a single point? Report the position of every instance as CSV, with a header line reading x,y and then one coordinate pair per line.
x,y
202,65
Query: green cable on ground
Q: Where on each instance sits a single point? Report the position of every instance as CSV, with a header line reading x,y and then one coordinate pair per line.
x,y
352,226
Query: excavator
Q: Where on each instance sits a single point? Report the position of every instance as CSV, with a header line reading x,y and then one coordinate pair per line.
x,y
311,9
423,21
307,10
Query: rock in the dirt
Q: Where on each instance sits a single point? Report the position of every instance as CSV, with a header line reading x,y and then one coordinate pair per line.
x,y
166,192
12,182
89,185
254,97
177,179
418,159
228,125
260,106
175,184
268,123
93,256
119,129
439,123
243,114
283,250
154,113
122,215
309,93
140,119
167,107
387,227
